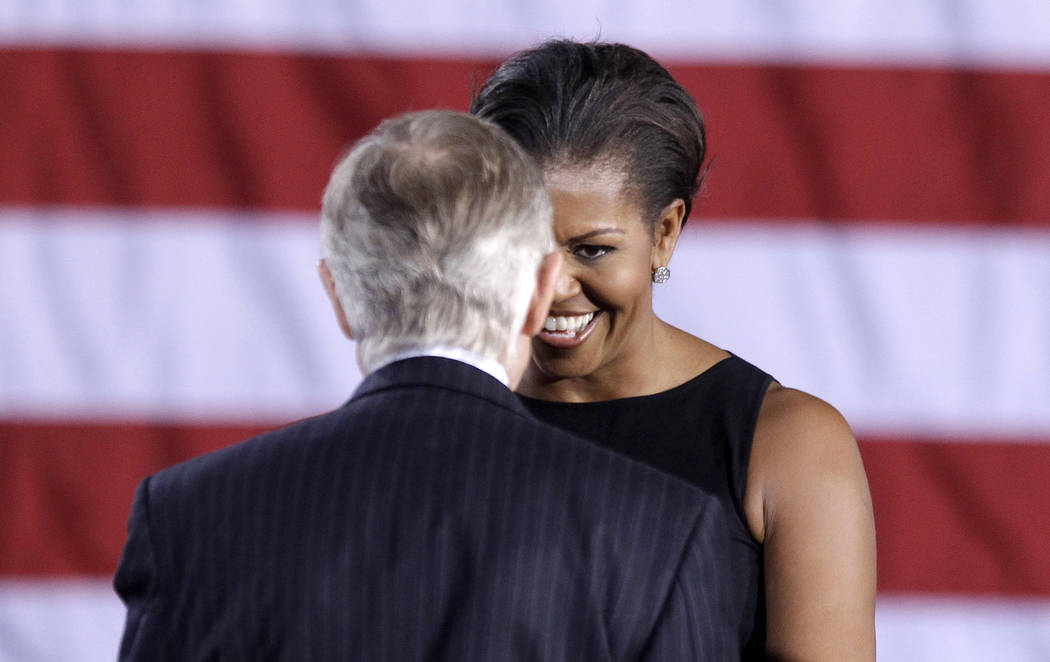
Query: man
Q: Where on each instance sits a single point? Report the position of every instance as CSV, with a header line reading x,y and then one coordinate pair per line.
x,y
429,518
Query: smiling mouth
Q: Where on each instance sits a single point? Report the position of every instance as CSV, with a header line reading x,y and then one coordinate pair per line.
x,y
567,331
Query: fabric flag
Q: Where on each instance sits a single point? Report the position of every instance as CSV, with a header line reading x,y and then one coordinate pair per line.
x,y
875,230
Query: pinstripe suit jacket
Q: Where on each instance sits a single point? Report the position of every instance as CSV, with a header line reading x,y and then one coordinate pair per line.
x,y
430,518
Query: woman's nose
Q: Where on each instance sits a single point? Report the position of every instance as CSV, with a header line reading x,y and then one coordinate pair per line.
x,y
567,285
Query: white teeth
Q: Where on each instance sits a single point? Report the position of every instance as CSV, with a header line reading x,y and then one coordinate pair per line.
x,y
572,324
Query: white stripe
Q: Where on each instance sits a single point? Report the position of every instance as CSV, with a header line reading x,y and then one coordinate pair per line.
x,y
934,331
47,621
965,31
166,315
209,314
82,620
962,630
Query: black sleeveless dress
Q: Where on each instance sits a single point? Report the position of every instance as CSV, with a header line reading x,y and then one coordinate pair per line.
x,y
701,432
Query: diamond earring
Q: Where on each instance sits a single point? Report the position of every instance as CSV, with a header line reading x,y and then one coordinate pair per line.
x,y
661,274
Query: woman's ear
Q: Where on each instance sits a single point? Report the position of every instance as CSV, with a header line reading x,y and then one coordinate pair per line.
x,y
666,232
337,306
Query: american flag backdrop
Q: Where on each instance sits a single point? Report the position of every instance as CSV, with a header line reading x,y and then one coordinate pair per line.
x,y
875,230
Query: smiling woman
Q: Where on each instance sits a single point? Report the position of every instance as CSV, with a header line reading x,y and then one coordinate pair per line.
x,y
622,146
609,256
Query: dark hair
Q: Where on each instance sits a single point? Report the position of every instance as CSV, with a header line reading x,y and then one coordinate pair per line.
x,y
570,104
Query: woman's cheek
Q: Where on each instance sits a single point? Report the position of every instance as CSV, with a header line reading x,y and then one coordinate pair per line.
x,y
622,283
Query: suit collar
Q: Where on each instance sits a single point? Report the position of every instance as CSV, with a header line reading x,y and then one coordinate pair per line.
x,y
440,372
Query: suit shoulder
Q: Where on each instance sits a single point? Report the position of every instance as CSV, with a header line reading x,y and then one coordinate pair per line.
x,y
256,455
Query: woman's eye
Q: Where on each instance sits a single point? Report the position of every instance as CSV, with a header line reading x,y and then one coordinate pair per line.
x,y
590,251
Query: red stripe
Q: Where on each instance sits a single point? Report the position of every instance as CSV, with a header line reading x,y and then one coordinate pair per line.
x,y
961,517
67,489
262,130
952,517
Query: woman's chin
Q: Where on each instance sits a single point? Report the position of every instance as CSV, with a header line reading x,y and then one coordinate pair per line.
x,y
566,356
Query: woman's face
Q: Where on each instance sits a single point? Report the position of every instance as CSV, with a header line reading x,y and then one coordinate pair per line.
x,y
602,308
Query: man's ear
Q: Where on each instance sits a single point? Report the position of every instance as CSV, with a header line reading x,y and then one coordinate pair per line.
x,y
337,306
666,233
546,281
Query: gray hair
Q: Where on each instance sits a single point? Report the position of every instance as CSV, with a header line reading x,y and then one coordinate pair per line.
x,y
434,227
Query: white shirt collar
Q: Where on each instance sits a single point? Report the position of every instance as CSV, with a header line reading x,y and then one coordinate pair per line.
x,y
491,366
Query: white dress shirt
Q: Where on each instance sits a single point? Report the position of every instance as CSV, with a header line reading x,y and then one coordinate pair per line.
x,y
491,366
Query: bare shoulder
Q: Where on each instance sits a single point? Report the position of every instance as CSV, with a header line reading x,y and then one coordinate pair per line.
x,y
802,446
790,416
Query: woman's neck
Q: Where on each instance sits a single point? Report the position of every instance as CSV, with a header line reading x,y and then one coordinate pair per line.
x,y
659,358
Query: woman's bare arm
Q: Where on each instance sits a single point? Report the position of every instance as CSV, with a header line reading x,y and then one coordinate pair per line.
x,y
808,502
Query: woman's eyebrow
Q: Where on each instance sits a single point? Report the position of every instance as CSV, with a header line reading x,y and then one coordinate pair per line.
x,y
593,233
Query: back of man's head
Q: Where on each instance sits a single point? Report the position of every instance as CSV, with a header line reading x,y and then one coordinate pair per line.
x,y
433,227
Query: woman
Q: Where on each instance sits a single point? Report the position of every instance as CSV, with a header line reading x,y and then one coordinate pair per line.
x,y
622,145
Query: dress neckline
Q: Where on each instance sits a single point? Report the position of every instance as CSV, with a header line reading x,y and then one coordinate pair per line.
x,y
674,390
